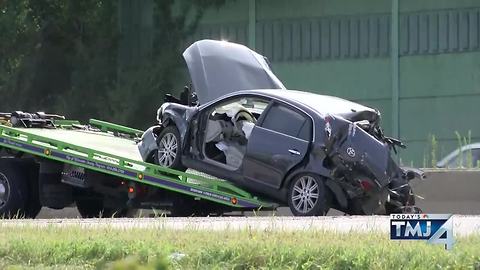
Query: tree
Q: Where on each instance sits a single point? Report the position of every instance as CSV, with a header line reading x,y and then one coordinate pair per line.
x,y
145,82
62,56
17,45
60,49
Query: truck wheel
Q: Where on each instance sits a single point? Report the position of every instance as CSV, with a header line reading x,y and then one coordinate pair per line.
x,y
185,206
33,206
182,206
90,208
168,153
181,211
13,189
94,209
90,205
33,209
307,196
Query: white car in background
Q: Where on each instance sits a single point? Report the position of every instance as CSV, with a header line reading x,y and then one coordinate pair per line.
x,y
461,157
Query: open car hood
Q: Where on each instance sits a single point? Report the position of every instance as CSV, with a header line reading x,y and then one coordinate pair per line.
x,y
219,67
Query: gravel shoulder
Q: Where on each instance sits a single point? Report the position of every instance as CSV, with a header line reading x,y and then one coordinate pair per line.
x,y
463,225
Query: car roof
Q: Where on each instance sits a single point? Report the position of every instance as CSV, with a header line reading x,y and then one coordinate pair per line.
x,y
322,104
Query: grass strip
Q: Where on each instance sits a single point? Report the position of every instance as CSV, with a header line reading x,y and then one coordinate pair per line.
x,y
74,247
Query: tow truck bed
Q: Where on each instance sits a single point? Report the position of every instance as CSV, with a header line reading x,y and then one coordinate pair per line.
x,y
100,141
107,149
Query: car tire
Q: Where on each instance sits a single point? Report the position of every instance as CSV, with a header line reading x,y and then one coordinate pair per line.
x,y
13,189
308,196
168,153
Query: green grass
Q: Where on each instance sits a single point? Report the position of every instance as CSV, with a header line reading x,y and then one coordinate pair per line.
x,y
76,248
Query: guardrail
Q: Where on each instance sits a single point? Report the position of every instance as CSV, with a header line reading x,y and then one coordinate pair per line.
x,y
449,191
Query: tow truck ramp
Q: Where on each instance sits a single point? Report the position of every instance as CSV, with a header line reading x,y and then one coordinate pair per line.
x,y
111,149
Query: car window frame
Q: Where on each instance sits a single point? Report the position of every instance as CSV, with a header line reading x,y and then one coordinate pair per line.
x,y
210,107
261,119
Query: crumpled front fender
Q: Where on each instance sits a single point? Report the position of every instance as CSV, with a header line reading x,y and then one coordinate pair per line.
x,y
148,143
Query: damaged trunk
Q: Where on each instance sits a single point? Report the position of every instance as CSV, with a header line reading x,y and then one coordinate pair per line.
x,y
360,158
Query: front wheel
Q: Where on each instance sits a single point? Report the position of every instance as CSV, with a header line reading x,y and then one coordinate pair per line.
x,y
168,153
307,196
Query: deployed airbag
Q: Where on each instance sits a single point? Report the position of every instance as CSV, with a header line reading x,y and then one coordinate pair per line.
x,y
233,152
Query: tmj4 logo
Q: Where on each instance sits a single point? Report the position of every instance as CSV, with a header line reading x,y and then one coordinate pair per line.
x,y
434,228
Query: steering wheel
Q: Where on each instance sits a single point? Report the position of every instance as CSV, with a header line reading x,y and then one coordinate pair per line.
x,y
246,114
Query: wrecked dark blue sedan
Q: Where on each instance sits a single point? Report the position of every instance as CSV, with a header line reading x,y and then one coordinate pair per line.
x,y
312,152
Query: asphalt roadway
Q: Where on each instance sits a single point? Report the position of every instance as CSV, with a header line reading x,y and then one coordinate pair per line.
x,y
462,225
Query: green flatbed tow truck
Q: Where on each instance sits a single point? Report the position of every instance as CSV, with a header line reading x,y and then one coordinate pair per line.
x,y
98,168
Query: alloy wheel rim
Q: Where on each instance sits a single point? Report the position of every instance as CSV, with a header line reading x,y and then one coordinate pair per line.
x,y
167,150
4,190
305,194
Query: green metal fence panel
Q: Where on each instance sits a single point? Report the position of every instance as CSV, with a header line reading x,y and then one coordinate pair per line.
x,y
338,37
441,31
342,47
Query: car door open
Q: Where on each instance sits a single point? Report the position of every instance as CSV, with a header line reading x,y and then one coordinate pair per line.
x,y
277,145
227,129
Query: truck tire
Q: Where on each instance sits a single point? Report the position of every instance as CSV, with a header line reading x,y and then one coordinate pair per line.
x,y
90,205
308,196
186,206
33,205
168,153
32,209
94,209
182,206
13,189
